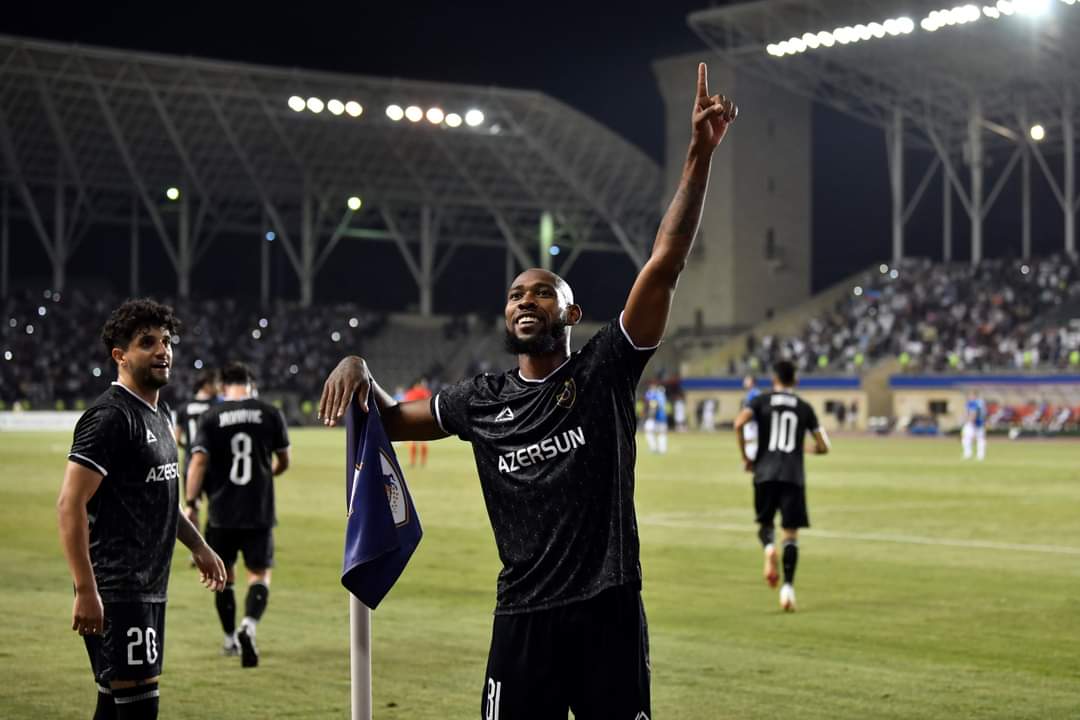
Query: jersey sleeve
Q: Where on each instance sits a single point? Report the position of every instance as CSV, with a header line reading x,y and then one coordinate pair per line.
x,y
201,442
450,406
280,437
755,406
99,436
611,345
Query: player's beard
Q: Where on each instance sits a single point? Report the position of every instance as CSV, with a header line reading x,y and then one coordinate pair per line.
x,y
543,343
147,379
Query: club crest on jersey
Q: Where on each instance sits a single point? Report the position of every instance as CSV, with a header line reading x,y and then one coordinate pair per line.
x,y
506,415
566,396
150,437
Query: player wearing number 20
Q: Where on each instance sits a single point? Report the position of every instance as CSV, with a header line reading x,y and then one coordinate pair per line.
x,y
241,445
783,419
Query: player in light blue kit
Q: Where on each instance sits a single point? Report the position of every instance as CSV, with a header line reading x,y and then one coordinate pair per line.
x,y
750,430
656,418
974,427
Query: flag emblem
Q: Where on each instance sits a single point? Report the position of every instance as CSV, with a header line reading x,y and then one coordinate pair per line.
x,y
382,528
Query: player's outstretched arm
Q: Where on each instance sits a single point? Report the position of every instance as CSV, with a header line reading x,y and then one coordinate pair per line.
x,y
646,313
403,421
80,484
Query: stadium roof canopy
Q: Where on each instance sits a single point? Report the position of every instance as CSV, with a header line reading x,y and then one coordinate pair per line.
x,y
252,149
961,80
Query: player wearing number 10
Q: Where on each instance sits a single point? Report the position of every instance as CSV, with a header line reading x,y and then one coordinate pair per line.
x,y
231,460
783,419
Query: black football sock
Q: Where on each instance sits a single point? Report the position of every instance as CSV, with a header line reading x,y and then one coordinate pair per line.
x,y
258,595
136,703
225,601
106,708
791,559
767,535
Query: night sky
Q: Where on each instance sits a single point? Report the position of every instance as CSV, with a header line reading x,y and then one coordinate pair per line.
x,y
595,57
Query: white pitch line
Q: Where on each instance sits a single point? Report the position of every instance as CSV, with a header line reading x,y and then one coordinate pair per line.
x,y
748,527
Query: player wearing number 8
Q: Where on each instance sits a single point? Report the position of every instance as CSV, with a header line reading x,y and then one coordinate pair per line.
x,y
783,419
241,445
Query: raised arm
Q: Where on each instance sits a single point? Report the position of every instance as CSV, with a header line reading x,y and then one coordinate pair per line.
x,y
402,421
646,314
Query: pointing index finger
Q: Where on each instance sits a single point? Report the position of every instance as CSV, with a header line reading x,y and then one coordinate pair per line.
x,y
702,81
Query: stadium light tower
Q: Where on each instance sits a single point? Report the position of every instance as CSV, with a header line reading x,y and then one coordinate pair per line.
x,y
1038,133
394,112
173,193
354,203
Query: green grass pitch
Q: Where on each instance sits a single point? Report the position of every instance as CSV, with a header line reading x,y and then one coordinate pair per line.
x,y
928,588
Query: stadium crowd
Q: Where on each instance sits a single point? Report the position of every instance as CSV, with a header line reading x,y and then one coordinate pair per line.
x,y
994,316
52,354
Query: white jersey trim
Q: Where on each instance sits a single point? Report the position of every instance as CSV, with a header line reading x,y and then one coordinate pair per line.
x,y
543,379
100,469
135,395
630,339
438,415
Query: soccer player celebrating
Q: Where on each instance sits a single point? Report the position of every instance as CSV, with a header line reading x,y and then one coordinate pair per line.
x,y
974,427
241,445
554,446
779,477
119,516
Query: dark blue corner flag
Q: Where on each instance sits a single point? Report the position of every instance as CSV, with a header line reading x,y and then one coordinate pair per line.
x,y
382,529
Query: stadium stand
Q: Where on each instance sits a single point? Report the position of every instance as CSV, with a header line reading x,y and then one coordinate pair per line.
x,y
994,316
56,359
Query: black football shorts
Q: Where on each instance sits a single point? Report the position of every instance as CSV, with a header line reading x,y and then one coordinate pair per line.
x,y
257,545
788,498
132,645
590,657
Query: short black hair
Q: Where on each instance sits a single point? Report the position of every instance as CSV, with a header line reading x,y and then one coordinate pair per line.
x,y
236,373
784,371
132,316
210,376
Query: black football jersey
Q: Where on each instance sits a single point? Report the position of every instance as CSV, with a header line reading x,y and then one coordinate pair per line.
x,y
783,420
555,458
133,514
240,437
187,421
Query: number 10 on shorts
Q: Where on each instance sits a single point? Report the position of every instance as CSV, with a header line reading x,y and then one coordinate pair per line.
x,y
494,694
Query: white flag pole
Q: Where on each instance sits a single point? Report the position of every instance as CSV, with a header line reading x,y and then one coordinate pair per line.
x,y
360,658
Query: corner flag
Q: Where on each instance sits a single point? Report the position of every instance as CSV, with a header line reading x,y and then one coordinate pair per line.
x,y
382,529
